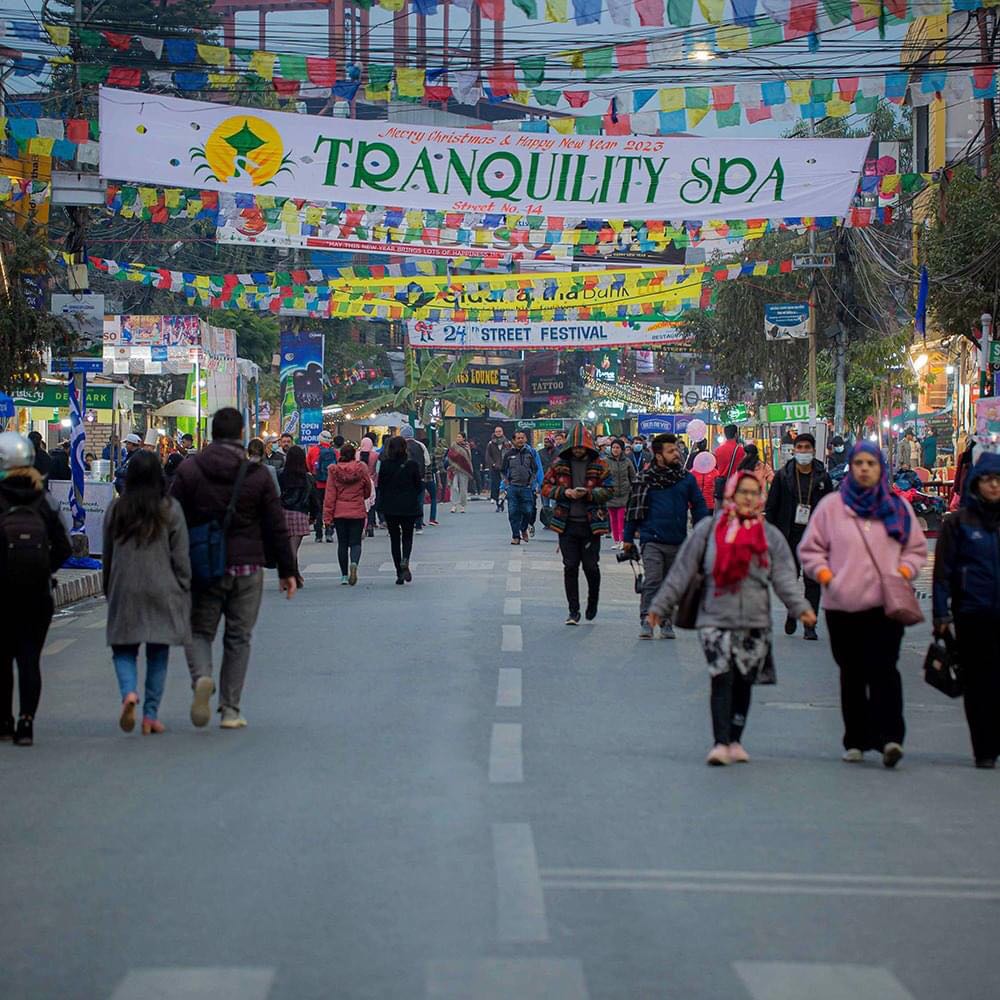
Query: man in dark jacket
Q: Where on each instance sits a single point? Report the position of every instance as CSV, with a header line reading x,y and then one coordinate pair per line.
x,y
495,451
577,482
185,445
795,491
59,469
43,461
257,537
520,470
26,573
658,511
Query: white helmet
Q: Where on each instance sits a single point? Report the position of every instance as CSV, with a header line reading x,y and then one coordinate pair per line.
x,y
16,451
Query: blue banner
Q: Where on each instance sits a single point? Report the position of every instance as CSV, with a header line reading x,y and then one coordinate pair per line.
x,y
669,423
78,440
302,385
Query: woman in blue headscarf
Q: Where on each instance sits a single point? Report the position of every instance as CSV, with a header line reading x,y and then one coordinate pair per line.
x,y
857,536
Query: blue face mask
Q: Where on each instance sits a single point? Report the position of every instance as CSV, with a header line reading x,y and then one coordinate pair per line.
x,y
637,447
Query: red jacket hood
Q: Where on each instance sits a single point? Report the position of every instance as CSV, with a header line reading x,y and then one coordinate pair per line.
x,y
346,473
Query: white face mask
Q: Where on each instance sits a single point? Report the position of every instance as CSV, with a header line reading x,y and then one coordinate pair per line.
x,y
804,457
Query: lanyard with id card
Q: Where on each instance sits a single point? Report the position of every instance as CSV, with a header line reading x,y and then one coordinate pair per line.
x,y
803,510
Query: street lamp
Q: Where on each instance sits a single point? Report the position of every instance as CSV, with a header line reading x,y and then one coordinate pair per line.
x,y
591,415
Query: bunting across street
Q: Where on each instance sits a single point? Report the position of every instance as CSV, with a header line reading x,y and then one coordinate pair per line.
x,y
190,143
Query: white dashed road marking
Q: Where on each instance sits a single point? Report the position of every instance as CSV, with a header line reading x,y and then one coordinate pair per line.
x,y
57,646
512,606
505,978
520,900
506,762
509,688
512,641
212,983
819,981
513,584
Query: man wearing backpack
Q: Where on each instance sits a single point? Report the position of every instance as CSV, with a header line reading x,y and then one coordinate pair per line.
x,y
33,545
256,536
319,458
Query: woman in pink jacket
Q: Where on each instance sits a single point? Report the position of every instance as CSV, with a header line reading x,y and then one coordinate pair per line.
x,y
854,536
348,486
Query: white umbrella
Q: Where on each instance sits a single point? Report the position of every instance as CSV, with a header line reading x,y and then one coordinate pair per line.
x,y
179,408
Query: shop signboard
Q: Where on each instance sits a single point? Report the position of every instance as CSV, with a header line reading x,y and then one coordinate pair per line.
x,y
737,413
82,314
301,374
783,413
547,385
539,425
56,397
486,377
668,423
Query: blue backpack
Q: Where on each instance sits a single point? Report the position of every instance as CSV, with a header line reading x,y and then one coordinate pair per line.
x,y
207,542
327,457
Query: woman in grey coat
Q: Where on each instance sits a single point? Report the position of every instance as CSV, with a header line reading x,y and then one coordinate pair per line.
x,y
147,582
742,557
622,477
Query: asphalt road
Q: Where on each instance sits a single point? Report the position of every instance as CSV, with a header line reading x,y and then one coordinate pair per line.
x,y
444,792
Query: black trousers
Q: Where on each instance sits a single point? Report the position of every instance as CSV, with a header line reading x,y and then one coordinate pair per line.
x,y
349,532
320,497
400,538
812,587
977,652
579,546
22,641
730,703
495,485
865,645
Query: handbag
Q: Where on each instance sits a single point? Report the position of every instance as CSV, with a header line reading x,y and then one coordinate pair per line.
x,y
207,542
686,613
767,674
941,667
899,602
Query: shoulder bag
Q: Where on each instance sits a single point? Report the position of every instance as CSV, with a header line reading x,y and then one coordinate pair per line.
x,y
686,612
720,481
899,602
207,542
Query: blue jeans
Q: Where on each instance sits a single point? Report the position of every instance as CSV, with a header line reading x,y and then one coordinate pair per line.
x,y
127,668
520,507
432,489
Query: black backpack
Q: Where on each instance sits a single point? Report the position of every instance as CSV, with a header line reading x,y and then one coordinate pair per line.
x,y
24,547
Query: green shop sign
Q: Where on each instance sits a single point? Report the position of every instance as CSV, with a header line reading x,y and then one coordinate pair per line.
x,y
783,413
56,397
738,413
539,425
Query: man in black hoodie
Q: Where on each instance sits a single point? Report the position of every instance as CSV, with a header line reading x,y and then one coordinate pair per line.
x,y
33,545
795,491
257,537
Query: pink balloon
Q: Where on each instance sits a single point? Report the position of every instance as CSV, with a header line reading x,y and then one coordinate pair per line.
x,y
696,430
703,462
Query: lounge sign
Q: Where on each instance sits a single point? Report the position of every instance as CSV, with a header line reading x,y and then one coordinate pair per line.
x,y
485,376
182,143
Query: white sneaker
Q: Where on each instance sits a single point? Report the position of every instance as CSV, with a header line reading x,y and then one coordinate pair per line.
x,y
853,756
201,709
232,719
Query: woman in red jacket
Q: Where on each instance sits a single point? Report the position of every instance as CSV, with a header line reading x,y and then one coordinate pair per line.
x,y
348,486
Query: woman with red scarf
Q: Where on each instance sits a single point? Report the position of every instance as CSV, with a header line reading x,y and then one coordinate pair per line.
x,y
742,557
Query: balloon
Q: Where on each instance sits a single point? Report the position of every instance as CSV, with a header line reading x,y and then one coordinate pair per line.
x,y
696,430
703,462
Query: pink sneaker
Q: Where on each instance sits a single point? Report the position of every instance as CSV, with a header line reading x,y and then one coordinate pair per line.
x,y
737,755
152,726
718,756
127,719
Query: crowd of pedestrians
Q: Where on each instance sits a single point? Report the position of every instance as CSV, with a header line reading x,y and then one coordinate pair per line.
x,y
187,544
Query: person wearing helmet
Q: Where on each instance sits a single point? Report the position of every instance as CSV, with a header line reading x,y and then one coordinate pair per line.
x,y
33,545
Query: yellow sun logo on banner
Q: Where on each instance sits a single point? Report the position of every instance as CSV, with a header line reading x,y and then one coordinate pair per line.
x,y
243,146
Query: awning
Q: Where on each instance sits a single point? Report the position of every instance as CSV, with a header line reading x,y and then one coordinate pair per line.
x,y
178,408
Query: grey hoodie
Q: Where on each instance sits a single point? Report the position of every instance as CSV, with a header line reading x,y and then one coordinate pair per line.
x,y
747,607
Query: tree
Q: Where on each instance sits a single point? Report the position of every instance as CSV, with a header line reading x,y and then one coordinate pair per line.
x,y
429,383
962,251
25,329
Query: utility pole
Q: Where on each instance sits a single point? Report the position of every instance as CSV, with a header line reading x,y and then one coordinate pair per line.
x,y
988,103
812,309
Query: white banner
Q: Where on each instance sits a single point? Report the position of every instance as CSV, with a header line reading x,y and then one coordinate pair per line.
x,y
568,335
167,140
